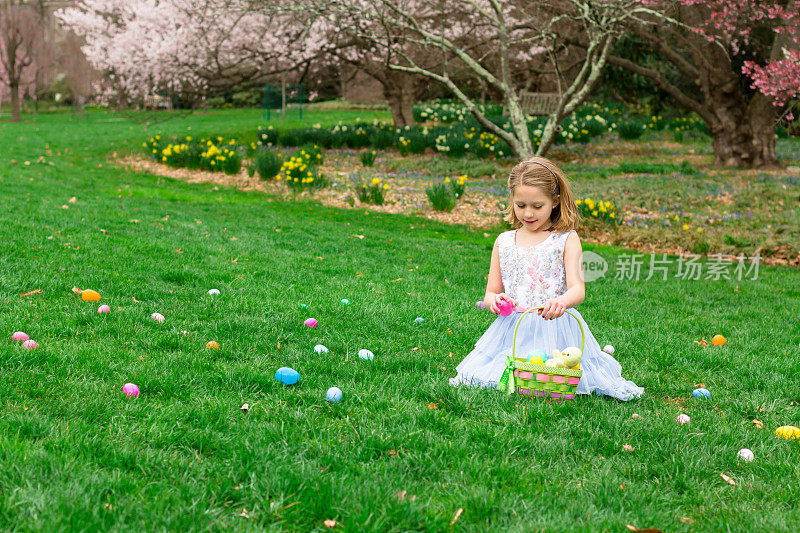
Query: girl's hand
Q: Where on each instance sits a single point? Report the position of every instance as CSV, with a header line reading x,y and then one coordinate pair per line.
x,y
493,303
552,309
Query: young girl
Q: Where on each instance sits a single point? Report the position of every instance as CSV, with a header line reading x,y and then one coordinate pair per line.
x,y
540,264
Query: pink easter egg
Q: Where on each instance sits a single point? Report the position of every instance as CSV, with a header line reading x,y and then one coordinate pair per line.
x,y
104,309
19,336
311,322
130,390
506,308
682,418
30,345
480,305
158,317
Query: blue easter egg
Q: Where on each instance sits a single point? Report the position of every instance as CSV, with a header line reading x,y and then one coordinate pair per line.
x,y
419,320
334,394
701,393
320,348
287,376
345,301
537,352
366,354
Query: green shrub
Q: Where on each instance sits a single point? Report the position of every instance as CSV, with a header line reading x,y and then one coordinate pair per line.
x,y
267,136
232,163
267,163
441,197
368,158
382,139
630,129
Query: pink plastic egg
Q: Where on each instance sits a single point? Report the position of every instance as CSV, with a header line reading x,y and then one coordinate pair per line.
x,y
19,336
682,418
158,317
506,308
130,390
104,309
30,345
311,322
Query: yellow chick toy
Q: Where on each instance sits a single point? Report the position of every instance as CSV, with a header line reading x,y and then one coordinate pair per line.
x,y
555,362
571,356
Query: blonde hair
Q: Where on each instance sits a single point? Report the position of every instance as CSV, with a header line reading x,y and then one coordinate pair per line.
x,y
544,175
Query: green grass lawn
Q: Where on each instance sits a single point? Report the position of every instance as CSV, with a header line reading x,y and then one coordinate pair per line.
x,y
75,454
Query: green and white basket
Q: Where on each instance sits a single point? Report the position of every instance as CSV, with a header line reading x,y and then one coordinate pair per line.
x,y
541,381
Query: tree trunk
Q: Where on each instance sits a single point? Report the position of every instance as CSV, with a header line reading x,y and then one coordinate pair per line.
x,y
398,89
15,102
744,135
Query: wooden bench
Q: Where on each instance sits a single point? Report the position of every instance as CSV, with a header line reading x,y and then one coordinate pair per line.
x,y
155,101
536,103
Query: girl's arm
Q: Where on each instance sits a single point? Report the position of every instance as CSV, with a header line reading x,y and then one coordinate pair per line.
x,y
576,288
494,284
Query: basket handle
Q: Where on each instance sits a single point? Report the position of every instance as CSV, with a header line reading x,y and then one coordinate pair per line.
x,y
514,342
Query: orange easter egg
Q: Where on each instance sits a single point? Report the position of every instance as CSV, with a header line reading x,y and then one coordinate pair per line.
x,y
90,296
212,345
718,340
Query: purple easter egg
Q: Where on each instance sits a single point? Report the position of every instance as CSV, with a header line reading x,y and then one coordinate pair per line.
x,y
311,322
103,309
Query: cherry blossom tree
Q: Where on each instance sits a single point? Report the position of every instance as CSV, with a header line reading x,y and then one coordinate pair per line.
x,y
739,57
195,47
22,49
491,38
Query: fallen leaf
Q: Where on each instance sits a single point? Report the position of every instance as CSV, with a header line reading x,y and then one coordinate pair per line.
x,y
432,405
415,348
759,424
320,258
622,486
65,206
401,495
636,416
728,479
393,453
165,218
699,384
330,523
646,530
702,342
134,299
244,514
359,236
134,220
245,407
36,291
627,447
104,231
73,200
458,513
279,345
178,251
687,520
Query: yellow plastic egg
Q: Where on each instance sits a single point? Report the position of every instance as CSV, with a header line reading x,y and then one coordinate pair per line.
x,y
536,360
90,296
788,432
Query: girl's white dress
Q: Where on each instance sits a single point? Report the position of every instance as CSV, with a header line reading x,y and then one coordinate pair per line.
x,y
532,276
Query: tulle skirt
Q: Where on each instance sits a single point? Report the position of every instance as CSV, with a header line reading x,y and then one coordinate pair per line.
x,y
484,366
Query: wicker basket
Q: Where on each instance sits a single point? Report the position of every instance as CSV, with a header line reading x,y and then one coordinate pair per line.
x,y
540,381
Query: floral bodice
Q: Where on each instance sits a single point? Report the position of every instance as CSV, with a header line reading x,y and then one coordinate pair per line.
x,y
534,274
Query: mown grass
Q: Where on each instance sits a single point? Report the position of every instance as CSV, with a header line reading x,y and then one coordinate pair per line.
x,y
75,454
